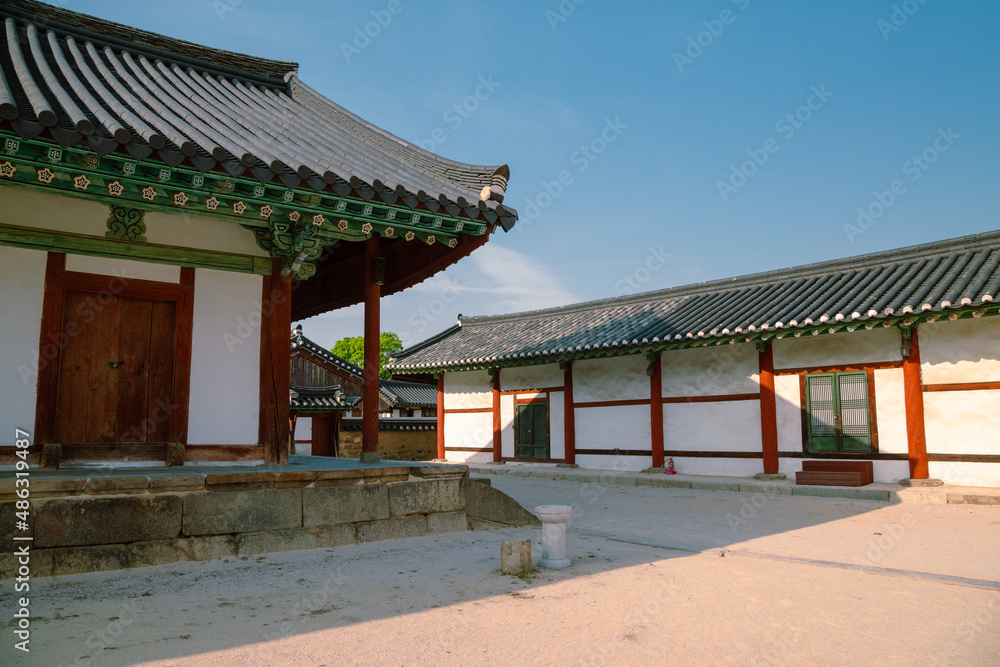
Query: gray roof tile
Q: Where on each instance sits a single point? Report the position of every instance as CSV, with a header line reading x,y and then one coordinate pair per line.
x,y
936,277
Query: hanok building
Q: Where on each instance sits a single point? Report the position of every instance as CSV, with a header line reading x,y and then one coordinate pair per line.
x,y
327,407
892,358
166,211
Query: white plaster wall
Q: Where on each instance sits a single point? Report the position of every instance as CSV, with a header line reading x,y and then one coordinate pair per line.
x,y
507,425
616,463
615,427
732,426
721,467
711,371
124,268
557,425
788,411
879,344
612,379
468,457
962,351
468,389
531,377
890,411
965,474
22,284
468,429
40,210
962,422
303,431
225,359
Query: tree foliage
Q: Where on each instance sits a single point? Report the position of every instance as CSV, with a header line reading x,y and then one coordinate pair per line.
x,y
352,349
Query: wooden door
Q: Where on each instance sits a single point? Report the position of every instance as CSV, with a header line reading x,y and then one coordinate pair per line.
x,y
532,431
839,413
115,379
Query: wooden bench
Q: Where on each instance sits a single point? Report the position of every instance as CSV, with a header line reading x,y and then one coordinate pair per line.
x,y
835,473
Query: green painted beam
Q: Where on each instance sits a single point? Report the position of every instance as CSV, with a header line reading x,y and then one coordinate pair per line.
x,y
43,239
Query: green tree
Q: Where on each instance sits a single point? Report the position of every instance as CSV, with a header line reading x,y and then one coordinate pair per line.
x,y
352,349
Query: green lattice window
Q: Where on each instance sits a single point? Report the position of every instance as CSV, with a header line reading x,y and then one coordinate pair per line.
x,y
839,417
532,431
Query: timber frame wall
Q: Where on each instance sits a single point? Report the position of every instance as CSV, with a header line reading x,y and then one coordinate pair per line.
x,y
769,454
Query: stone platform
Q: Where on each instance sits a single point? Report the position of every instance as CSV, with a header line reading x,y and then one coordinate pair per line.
x,y
104,519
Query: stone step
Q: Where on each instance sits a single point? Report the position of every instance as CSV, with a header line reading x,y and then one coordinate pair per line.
x,y
830,478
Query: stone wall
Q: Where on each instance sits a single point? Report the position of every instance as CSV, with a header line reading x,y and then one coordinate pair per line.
x,y
108,522
393,445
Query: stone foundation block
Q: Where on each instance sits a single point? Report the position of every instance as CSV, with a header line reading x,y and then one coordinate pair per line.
x,y
515,556
8,526
344,504
205,548
218,513
294,479
296,539
158,552
439,495
440,472
47,488
338,477
375,531
447,522
77,560
116,485
193,481
89,521
239,481
663,481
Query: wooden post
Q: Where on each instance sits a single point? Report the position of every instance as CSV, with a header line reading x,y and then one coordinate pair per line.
x,y
440,418
275,366
656,410
569,413
369,416
913,393
497,429
768,410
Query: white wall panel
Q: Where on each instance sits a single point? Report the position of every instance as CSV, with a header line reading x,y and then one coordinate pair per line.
x,y
616,427
962,422
22,286
531,377
711,371
890,411
467,389
839,349
732,426
225,359
962,351
124,268
612,379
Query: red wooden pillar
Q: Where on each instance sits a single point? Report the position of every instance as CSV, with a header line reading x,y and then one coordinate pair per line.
x,y
369,416
497,427
569,414
768,411
440,418
913,393
656,410
275,366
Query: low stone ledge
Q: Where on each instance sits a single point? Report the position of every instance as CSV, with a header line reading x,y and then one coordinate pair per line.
x,y
220,513
8,525
116,485
344,504
972,499
48,488
767,489
715,486
295,539
386,474
294,479
663,481
193,481
439,495
239,481
157,552
69,522
338,477
205,547
439,472
447,522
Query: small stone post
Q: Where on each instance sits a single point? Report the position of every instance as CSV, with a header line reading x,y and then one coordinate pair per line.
x,y
554,518
515,556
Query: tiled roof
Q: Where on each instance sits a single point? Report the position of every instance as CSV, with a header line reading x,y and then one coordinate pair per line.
x,y
409,393
313,398
886,287
84,80
392,424
299,341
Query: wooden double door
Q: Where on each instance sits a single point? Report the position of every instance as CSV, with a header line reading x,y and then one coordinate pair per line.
x,y
122,373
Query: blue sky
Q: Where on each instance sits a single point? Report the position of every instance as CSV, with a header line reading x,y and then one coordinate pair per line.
x,y
693,140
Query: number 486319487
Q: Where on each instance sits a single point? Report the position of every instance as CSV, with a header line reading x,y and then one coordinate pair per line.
x,y
22,439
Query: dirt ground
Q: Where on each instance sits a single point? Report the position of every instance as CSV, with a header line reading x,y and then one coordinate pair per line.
x,y
803,581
